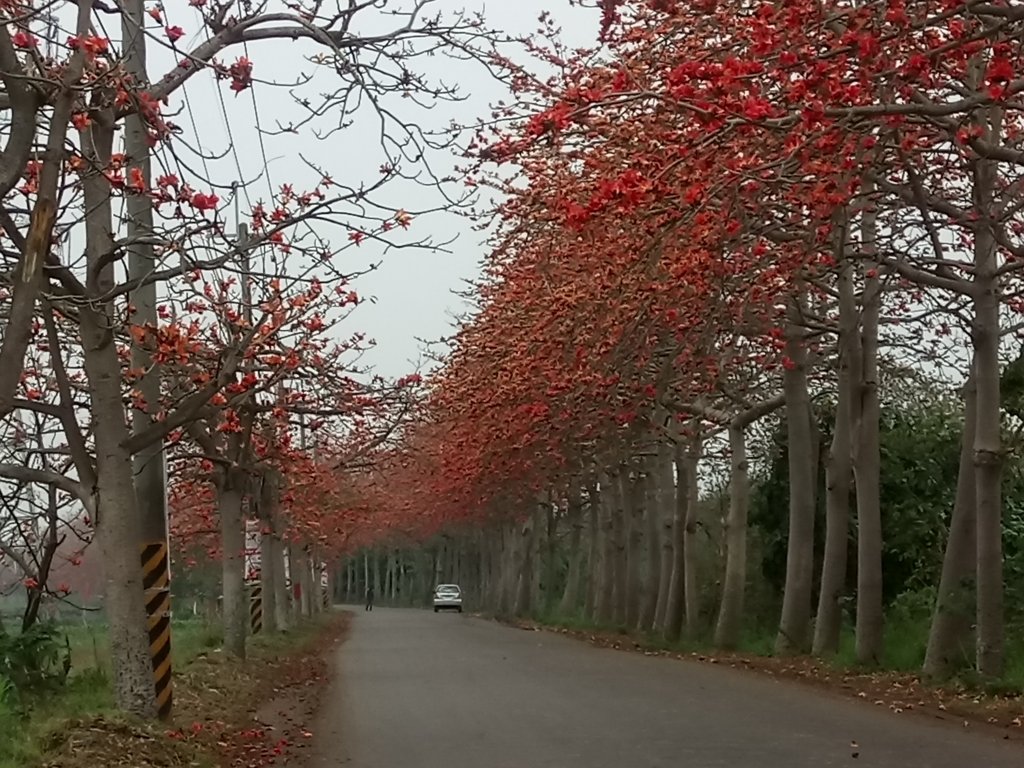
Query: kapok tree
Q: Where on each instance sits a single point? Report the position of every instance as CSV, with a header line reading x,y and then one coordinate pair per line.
x,y
78,87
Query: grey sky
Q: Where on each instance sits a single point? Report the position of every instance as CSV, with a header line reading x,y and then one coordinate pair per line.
x,y
412,288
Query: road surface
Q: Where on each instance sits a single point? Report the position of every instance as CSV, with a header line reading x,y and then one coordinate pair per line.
x,y
422,690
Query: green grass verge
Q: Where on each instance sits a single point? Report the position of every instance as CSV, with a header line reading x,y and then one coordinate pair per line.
x,y
25,725
905,642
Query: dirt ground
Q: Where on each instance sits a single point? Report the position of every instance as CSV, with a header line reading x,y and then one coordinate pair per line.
x,y
227,713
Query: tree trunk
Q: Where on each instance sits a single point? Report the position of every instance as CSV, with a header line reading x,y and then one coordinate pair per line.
x,y
620,599
651,516
796,601
232,537
570,595
550,557
268,503
282,602
988,449
664,504
632,494
525,577
593,573
867,464
267,582
117,520
730,614
675,610
366,575
378,591
301,562
605,598
838,470
118,538
317,601
509,579
691,584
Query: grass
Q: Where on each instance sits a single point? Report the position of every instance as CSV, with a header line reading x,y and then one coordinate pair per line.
x,y
26,726
904,643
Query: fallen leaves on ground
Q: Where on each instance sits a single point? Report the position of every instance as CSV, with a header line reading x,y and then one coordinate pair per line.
x,y
899,693
228,713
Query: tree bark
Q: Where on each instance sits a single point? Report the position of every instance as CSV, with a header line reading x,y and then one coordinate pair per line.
x,y
675,610
796,602
620,596
549,577
524,591
988,449
651,513
838,470
605,599
632,494
867,462
282,603
232,538
593,577
21,131
117,521
664,504
730,613
269,573
570,595
268,584
691,584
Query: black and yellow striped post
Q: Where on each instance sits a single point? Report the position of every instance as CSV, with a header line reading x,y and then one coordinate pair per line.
x,y
156,580
256,609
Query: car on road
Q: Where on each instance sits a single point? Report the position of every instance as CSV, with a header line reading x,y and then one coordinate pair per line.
x,y
447,597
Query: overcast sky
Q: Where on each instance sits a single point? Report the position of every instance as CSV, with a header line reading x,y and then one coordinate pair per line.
x,y
412,289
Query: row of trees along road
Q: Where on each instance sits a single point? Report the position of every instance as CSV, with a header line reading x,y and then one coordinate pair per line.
x,y
142,328
745,250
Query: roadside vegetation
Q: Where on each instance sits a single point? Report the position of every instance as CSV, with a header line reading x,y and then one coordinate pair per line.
x,y
60,711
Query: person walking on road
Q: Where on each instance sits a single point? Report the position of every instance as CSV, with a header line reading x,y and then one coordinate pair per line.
x,y
369,598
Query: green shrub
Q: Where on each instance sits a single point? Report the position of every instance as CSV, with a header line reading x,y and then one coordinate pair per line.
x,y
35,660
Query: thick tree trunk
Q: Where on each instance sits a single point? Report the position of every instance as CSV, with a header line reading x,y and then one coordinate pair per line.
x,y
675,610
502,600
691,583
664,504
593,572
867,466
632,494
838,470
730,614
570,595
796,602
232,537
652,513
620,593
548,586
118,538
117,518
988,449
269,572
524,592
605,599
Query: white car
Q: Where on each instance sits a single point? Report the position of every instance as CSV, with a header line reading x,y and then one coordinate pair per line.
x,y
447,597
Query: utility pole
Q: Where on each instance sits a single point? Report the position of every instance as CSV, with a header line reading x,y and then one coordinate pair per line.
x,y
149,463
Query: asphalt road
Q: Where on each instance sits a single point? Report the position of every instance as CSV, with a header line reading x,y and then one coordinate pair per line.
x,y
419,690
